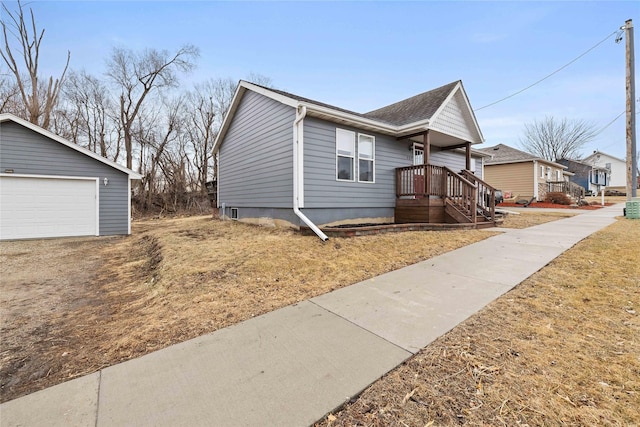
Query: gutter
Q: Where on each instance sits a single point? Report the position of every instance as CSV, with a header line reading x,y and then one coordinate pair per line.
x,y
298,176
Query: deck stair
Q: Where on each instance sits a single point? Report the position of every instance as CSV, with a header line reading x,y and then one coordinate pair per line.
x,y
438,194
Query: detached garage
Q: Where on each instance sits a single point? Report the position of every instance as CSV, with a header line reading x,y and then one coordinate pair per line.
x,y
50,187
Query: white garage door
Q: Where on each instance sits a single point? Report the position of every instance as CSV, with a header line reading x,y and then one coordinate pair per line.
x,y
34,207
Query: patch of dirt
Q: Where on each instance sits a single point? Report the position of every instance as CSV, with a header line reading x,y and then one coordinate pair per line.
x,y
43,284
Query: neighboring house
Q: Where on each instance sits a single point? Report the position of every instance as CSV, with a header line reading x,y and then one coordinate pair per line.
x,y
617,169
522,175
50,187
590,177
280,154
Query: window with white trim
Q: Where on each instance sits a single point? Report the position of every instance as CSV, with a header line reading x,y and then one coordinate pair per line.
x,y
366,158
548,173
345,155
541,171
558,175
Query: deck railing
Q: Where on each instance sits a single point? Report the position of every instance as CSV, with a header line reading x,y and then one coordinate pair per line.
x,y
428,180
419,181
567,187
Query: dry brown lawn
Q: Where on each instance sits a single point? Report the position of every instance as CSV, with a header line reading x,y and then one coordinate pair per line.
x,y
561,349
529,219
73,306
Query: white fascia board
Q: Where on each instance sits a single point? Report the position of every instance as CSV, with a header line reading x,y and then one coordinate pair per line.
x,y
270,94
535,160
557,165
4,117
227,118
507,162
352,119
22,175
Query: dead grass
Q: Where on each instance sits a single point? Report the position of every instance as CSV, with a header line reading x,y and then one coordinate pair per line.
x,y
529,219
560,349
173,280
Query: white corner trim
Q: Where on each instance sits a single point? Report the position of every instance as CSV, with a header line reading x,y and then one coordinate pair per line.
x,y
98,205
535,179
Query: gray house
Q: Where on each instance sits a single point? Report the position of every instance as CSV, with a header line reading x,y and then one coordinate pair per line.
x,y
589,176
287,160
50,187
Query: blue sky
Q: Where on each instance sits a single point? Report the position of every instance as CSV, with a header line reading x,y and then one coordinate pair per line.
x,y
364,55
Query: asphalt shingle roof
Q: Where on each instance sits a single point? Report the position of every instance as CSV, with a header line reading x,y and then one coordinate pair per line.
x,y
416,108
503,153
410,110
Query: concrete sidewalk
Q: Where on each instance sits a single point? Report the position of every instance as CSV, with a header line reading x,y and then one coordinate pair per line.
x,y
292,366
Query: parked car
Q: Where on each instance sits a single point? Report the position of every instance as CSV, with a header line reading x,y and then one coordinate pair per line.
x,y
499,197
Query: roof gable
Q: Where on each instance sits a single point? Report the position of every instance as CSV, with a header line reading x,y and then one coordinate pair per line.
x,y
6,117
455,117
596,155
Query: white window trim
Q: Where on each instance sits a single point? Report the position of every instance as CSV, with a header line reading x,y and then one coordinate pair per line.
x,y
353,158
541,171
372,159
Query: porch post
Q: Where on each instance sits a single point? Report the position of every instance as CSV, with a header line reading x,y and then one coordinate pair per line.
x,y
468,156
427,170
427,147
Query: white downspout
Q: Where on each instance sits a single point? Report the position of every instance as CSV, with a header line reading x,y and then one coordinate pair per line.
x,y
298,176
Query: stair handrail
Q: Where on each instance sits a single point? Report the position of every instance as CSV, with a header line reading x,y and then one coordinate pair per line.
x,y
485,204
468,194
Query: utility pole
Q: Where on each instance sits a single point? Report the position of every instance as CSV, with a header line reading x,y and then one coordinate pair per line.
x,y
632,161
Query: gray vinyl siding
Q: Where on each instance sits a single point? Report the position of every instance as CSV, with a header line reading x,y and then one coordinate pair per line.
x,y
453,159
29,153
256,155
322,190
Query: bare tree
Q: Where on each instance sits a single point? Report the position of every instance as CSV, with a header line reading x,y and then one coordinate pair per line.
x,y
138,74
9,96
260,79
205,107
91,115
553,139
39,97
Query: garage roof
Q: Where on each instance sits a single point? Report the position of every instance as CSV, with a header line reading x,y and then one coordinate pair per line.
x,y
6,117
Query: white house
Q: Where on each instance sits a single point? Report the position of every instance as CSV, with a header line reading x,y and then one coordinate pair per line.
x,y
616,166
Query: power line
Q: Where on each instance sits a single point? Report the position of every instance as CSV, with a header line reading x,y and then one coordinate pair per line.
x,y
609,124
556,71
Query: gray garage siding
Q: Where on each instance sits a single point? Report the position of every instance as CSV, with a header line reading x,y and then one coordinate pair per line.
x,y
256,156
29,153
322,190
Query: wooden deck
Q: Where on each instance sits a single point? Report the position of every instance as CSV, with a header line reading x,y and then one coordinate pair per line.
x,y
438,195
